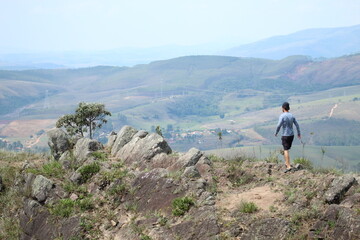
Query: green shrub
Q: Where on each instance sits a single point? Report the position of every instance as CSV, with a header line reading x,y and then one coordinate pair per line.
x,y
214,158
10,202
306,163
145,237
101,156
63,208
181,205
87,171
237,176
247,207
118,189
109,176
50,169
85,204
273,157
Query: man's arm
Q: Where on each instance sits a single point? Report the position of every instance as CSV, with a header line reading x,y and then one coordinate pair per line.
x,y
279,125
297,128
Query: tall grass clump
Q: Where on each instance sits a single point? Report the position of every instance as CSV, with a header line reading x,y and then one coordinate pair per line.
x,y
248,207
306,163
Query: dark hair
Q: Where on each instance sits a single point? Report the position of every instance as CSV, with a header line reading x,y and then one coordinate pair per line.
x,y
286,106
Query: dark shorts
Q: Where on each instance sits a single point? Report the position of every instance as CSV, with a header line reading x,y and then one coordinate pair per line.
x,y
287,141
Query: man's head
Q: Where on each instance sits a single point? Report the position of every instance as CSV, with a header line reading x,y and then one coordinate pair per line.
x,y
286,106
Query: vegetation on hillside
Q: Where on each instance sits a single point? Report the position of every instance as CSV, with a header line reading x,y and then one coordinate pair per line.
x,y
88,116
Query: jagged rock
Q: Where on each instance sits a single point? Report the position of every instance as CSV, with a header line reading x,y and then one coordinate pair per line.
x,y
123,137
75,177
41,187
163,160
141,134
268,228
298,167
188,159
59,142
142,150
66,156
1,185
204,167
84,147
338,188
191,172
351,201
155,191
338,222
201,226
37,223
111,140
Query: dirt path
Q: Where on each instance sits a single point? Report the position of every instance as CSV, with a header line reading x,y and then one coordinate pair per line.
x,y
263,197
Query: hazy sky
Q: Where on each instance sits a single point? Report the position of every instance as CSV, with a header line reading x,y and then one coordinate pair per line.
x,y
107,24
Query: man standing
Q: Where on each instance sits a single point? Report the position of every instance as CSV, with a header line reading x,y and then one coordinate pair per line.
x,y
286,121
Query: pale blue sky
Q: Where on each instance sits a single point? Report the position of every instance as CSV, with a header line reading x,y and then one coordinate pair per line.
x,y
57,25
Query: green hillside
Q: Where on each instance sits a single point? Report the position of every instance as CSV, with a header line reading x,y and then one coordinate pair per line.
x,y
180,76
193,98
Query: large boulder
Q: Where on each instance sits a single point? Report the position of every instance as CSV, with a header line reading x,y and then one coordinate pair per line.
x,y
59,142
187,160
84,148
338,188
111,140
37,223
41,187
123,137
142,150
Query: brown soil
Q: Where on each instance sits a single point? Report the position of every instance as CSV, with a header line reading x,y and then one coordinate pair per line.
x,y
25,128
262,196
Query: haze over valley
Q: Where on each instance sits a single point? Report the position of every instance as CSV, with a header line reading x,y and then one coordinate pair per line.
x,y
193,82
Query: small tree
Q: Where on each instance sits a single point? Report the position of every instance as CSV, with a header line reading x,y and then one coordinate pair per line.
x,y
72,124
88,116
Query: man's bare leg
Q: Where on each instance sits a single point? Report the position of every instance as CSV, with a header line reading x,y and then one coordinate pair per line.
x,y
287,158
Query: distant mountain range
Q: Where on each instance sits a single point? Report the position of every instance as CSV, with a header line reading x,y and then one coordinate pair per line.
x,y
194,74
316,43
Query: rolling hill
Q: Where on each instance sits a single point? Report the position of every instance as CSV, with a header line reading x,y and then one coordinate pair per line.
x,y
317,43
180,76
193,98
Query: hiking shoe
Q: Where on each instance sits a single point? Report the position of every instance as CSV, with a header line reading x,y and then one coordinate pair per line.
x,y
287,170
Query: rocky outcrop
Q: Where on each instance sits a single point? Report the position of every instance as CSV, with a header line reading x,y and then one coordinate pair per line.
x,y
188,159
111,140
203,225
84,148
155,191
124,136
132,196
268,229
338,188
142,148
191,172
338,222
41,187
37,223
59,142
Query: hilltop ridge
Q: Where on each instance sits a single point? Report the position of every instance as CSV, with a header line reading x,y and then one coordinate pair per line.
x,y
136,187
